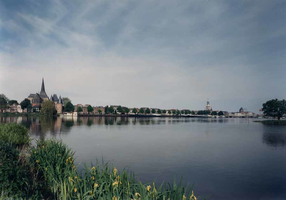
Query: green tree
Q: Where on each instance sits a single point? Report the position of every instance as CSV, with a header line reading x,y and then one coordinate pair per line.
x,y
11,102
174,112
193,112
89,109
120,109
159,111
65,101
183,112
48,108
100,111
106,109
79,109
220,113
3,104
134,110
25,103
126,110
141,110
111,110
169,112
153,111
178,112
164,111
214,113
274,108
69,107
147,111
4,97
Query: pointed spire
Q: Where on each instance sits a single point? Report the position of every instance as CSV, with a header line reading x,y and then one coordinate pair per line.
x,y
60,100
43,86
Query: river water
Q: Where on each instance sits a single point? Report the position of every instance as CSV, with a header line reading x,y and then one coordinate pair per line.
x,y
224,158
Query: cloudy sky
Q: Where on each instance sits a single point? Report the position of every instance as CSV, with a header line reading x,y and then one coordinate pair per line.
x,y
166,54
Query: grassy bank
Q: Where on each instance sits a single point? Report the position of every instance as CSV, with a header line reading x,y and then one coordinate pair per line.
x,y
272,122
47,171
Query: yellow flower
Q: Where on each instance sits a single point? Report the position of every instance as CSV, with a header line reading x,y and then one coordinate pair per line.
x,y
184,197
43,146
114,171
71,161
37,161
29,156
193,197
73,166
115,183
35,152
46,169
137,195
75,190
148,188
95,185
90,192
75,177
114,198
59,154
93,178
93,168
67,160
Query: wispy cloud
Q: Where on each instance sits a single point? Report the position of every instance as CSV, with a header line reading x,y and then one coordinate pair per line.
x,y
169,54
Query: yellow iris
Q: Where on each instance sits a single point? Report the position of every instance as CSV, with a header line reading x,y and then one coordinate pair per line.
x,y
114,171
184,197
114,198
115,183
35,152
148,188
75,190
95,185
137,195
37,161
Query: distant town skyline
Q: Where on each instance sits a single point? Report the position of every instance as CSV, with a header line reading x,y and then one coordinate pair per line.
x,y
161,54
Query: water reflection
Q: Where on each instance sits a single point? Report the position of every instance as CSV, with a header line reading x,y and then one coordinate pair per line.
x,y
274,136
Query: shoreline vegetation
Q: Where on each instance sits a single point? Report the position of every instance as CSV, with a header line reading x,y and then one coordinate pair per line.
x,y
47,170
272,122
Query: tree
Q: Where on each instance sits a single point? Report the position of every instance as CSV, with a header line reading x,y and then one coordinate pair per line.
x,y
174,112
4,97
183,112
79,109
214,113
69,107
120,109
25,103
141,110
274,108
126,110
159,111
11,102
106,109
100,112
111,110
164,111
153,111
89,108
148,111
134,110
65,101
3,104
193,112
48,108
169,112
178,112
220,113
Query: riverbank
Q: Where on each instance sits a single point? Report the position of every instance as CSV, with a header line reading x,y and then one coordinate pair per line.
x,y
19,114
272,122
47,170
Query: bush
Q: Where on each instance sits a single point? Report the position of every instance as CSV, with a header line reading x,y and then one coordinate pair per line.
x,y
15,134
14,176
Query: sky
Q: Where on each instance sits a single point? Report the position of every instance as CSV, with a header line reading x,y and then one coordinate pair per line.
x,y
162,54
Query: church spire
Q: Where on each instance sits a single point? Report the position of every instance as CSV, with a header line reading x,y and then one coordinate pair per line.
x,y
43,86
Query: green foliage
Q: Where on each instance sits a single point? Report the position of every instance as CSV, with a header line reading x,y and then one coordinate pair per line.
x,y
3,96
99,111
3,103
274,108
119,109
204,112
69,107
147,111
79,109
174,112
214,113
153,111
164,111
25,103
159,111
141,111
126,110
65,101
89,108
106,109
14,134
220,113
111,110
11,102
169,112
15,179
48,108
134,110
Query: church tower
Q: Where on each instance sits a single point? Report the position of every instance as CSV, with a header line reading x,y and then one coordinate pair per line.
x,y
43,93
208,106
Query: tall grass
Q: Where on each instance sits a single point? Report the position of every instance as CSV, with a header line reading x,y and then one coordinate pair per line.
x,y
53,162
15,134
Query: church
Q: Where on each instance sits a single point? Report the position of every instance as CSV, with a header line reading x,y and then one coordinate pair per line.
x,y
38,98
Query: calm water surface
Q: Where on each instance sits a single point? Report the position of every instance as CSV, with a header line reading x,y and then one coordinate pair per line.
x,y
226,158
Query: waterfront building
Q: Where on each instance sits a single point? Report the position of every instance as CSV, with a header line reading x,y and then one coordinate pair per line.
x,y
208,106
